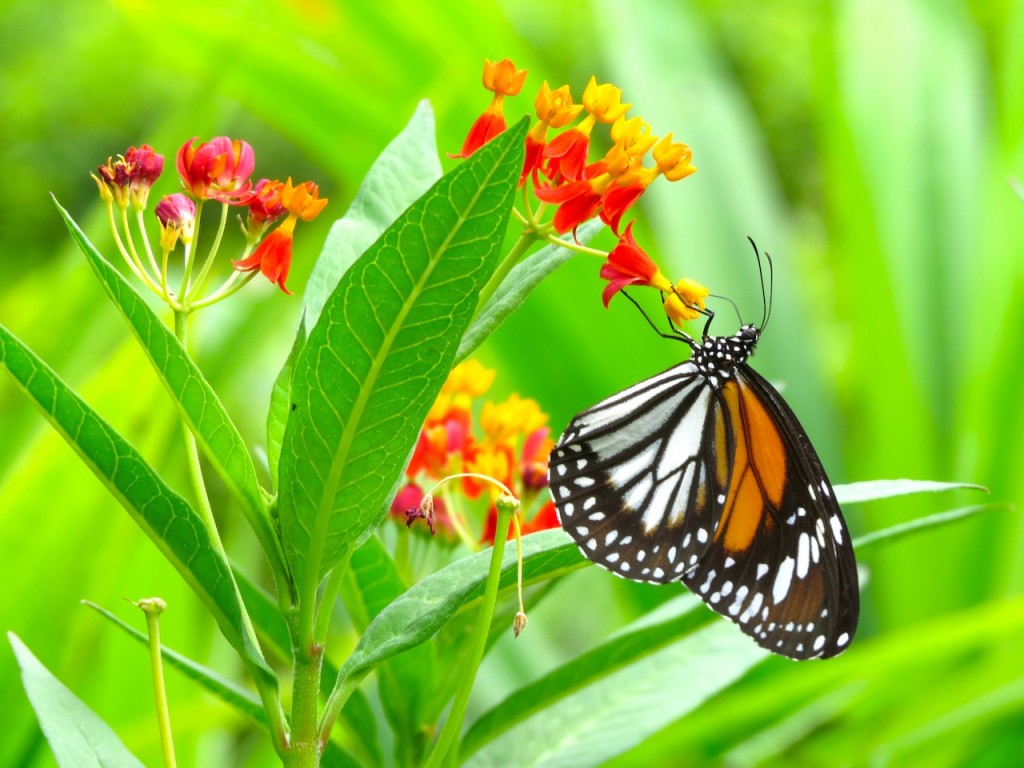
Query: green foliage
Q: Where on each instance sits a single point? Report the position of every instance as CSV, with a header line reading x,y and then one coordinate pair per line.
x,y
867,146
78,735
380,352
165,516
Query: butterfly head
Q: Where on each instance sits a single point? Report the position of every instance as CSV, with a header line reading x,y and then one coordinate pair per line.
x,y
716,357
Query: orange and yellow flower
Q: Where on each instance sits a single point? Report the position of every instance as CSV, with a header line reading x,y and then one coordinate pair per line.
x,y
273,256
509,442
502,79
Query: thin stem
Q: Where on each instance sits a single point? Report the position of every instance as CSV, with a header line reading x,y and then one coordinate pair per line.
x,y
195,469
197,287
186,277
153,607
141,224
231,286
119,242
134,254
522,245
506,509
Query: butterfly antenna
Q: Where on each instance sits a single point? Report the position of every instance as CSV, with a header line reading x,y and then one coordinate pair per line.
x,y
765,291
771,289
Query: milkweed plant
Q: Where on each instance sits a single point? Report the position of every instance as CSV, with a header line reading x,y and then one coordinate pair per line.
x,y
389,482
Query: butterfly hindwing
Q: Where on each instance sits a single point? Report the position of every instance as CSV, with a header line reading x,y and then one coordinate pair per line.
x,y
703,474
780,564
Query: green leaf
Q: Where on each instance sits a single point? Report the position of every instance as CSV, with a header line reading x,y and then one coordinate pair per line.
x,y
281,402
175,528
621,709
405,170
199,405
78,736
372,366
523,278
421,611
407,680
872,490
668,624
242,699
923,523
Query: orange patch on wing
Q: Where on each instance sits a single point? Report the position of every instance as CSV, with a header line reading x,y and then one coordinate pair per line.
x,y
768,454
744,504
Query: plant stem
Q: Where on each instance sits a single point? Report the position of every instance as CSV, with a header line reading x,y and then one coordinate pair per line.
x,y
305,748
195,469
522,245
153,607
506,508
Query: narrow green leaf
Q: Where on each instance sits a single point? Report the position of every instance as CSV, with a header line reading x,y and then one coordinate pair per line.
x,y
675,620
924,523
166,517
872,490
281,402
77,735
405,170
601,720
524,277
199,405
421,611
371,367
407,680
245,701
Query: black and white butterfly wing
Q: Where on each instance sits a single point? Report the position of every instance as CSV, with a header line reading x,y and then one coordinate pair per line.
x,y
718,486
780,564
634,481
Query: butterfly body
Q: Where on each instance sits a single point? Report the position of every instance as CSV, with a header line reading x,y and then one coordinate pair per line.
x,y
702,474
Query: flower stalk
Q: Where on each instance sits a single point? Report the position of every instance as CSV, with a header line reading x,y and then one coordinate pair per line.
x,y
507,506
152,607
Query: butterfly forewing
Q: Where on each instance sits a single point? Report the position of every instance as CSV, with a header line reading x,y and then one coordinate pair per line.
x,y
703,474
633,481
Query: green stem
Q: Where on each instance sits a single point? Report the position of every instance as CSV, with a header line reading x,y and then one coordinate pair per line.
x,y
522,245
195,469
506,508
197,287
305,748
153,607
266,686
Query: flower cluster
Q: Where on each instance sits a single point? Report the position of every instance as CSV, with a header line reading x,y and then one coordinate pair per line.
x,y
508,442
559,170
217,170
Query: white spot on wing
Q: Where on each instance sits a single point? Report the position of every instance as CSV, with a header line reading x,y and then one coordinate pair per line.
x,y
803,555
783,580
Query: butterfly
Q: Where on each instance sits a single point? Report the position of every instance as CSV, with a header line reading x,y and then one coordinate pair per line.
x,y
703,474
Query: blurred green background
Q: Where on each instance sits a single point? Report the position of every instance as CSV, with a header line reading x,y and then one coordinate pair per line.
x,y
869,146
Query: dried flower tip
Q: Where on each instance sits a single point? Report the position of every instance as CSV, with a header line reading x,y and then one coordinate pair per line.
x,y
519,623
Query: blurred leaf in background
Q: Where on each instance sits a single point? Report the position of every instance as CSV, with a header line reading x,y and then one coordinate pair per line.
x,y
866,145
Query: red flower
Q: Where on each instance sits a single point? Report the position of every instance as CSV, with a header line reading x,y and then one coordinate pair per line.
x,y
616,200
130,177
567,153
536,451
273,256
577,201
502,79
175,210
218,169
265,206
627,264
490,124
